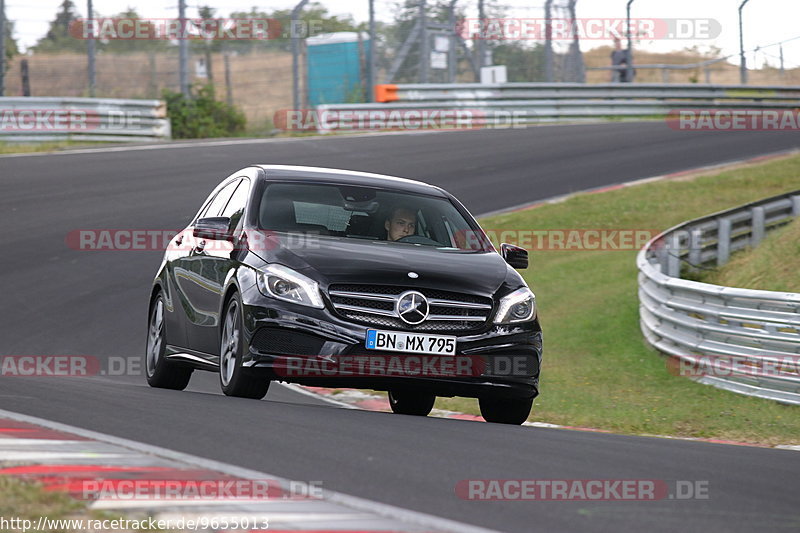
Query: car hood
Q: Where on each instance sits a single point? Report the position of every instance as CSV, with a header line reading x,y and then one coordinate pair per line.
x,y
334,260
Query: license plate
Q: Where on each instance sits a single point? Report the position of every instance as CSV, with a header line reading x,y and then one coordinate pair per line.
x,y
401,341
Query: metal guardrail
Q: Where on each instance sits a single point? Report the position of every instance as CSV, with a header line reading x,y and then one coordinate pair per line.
x,y
34,119
448,92
528,103
743,340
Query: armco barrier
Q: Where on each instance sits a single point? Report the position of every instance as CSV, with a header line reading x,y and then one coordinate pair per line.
x,y
750,337
33,119
529,103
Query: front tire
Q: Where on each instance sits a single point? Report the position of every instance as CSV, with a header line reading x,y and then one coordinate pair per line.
x,y
161,373
235,379
506,410
411,403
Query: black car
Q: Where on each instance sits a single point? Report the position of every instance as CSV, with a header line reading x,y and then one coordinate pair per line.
x,y
338,278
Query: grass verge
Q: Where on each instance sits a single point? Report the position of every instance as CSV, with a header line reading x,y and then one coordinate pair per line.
x,y
29,501
773,266
597,370
26,148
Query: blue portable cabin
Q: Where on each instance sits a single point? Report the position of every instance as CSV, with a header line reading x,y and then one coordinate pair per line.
x,y
334,67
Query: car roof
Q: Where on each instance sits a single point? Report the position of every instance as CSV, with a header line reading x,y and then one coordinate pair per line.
x,y
349,177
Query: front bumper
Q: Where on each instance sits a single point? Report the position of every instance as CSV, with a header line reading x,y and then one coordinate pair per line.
x,y
315,347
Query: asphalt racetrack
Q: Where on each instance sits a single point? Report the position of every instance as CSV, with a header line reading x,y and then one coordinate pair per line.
x,y
57,300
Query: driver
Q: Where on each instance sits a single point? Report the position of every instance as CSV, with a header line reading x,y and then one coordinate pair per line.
x,y
402,222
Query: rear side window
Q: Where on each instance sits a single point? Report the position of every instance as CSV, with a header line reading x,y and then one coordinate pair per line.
x,y
238,202
220,200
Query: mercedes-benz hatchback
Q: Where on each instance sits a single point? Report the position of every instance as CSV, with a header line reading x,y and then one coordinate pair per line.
x,y
337,278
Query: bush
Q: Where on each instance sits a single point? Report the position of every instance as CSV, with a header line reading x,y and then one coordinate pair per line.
x,y
201,115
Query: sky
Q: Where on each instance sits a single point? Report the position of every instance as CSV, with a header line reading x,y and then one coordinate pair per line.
x,y
765,21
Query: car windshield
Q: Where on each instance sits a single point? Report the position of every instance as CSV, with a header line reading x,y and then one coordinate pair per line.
x,y
367,213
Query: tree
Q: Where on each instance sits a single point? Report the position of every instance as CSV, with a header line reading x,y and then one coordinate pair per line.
x,y
523,63
11,44
58,38
315,19
208,44
121,46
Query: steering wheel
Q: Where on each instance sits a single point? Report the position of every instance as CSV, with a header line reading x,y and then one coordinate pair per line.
x,y
418,239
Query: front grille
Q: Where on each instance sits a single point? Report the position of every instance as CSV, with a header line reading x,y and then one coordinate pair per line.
x,y
278,341
375,305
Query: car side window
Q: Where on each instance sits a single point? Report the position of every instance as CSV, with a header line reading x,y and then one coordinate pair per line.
x,y
236,205
220,200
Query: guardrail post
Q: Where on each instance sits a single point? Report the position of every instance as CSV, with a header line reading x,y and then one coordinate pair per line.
x,y
723,241
674,255
757,228
796,206
695,246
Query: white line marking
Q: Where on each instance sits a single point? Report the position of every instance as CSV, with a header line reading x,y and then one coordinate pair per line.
x,y
353,502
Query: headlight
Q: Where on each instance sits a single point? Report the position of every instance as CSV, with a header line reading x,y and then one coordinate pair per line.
x,y
284,283
519,306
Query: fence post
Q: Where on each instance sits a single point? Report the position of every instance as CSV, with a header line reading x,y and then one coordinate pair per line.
x,y
2,46
90,49
295,54
372,52
26,81
228,85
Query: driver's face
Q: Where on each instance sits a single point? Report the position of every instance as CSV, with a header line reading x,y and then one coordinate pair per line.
x,y
402,224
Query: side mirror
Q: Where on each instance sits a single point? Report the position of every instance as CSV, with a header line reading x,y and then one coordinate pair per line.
x,y
213,228
514,255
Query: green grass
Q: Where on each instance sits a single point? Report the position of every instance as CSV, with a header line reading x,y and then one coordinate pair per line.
x,y
597,370
21,499
28,500
25,148
773,266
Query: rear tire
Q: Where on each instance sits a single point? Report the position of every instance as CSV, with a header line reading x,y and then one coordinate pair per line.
x,y
235,379
506,410
161,373
411,403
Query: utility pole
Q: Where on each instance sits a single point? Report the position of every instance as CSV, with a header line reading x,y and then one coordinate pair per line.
x,y
452,53
424,54
183,50
226,56
2,46
629,63
91,48
481,36
371,54
742,60
548,41
295,40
